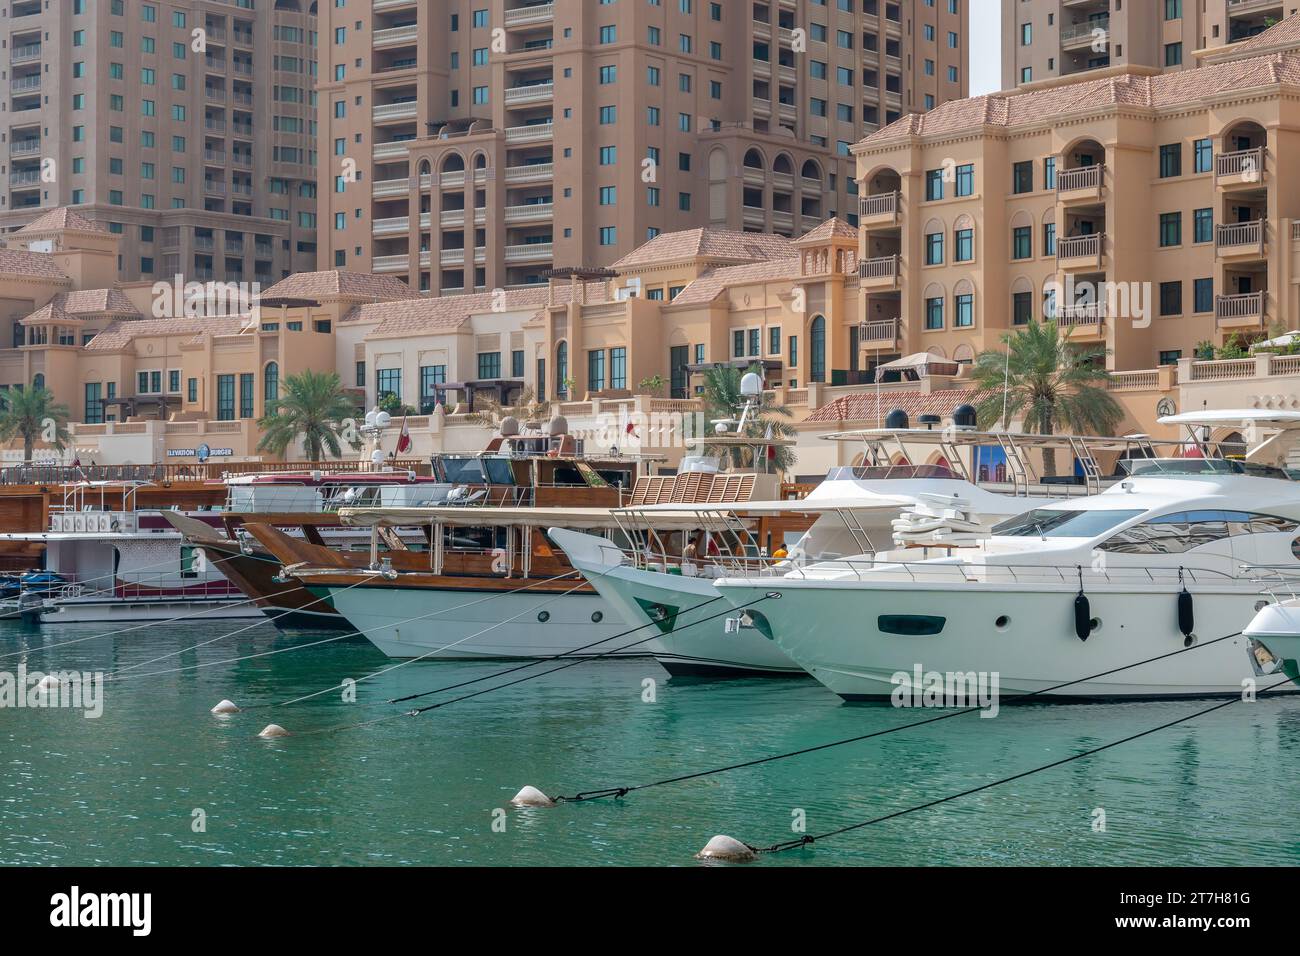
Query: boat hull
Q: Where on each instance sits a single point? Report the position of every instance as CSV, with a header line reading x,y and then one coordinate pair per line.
x,y
87,610
688,611
470,624
847,636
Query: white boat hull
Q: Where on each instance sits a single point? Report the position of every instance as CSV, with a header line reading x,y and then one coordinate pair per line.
x,y
86,610
1277,628
834,630
465,624
689,612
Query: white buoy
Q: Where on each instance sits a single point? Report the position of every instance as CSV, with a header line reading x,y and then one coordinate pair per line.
x,y
532,797
727,849
225,707
273,730
48,683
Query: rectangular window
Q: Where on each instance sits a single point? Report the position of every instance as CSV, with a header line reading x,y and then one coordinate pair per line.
x,y
1171,298
1203,225
934,249
964,316
964,245
94,410
1202,155
192,390
933,313
1049,172
1022,308
966,180
431,378
1202,295
1022,177
388,381
1021,243
596,370
225,398
618,368
246,395
489,365
1171,160
933,184
1171,229
1049,238
517,363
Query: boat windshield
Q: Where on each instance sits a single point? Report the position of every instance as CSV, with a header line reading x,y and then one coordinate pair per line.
x,y
1062,523
887,472
1191,467
475,471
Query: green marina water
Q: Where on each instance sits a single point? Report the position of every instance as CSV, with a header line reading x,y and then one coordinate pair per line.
x,y
123,789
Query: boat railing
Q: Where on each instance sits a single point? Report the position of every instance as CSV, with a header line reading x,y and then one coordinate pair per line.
x,y
157,585
967,572
1278,582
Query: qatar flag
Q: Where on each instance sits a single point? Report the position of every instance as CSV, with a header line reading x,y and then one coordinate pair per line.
x,y
404,439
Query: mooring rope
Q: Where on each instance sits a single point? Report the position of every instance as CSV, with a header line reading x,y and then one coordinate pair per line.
x,y
808,838
618,792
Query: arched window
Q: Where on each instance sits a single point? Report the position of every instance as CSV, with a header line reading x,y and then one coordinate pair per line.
x,y
38,380
561,369
271,383
817,340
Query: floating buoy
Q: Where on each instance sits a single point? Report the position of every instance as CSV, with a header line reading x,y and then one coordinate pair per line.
x,y
1082,616
531,797
273,730
47,683
727,849
225,707
1186,614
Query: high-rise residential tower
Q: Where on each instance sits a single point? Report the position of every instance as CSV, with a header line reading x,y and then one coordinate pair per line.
x,y
476,144
186,126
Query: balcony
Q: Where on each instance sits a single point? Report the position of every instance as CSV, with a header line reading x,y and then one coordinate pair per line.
x,y
397,225
529,252
882,209
395,111
879,274
390,187
879,334
25,54
395,36
1083,321
1080,185
534,172
530,15
1243,311
393,150
390,263
530,133
1243,168
25,177
530,212
25,147
1081,36
456,257
25,84
531,93
1240,240
1080,253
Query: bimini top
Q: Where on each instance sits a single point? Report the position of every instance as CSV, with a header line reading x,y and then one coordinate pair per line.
x,y
957,436
1268,417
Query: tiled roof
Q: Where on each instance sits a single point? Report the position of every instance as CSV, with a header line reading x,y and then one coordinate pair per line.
x,y
707,287
120,334
835,227
1128,89
866,407
448,312
19,262
62,218
334,283
705,243
71,305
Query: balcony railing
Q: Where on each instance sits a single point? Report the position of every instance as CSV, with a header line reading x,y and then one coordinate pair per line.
x,y
1079,31
878,330
1082,177
532,13
1234,308
25,54
1240,236
1245,163
1079,247
881,267
530,92
25,84
881,204
515,134
1082,314
24,147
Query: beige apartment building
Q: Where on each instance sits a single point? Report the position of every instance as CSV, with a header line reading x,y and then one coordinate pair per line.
x,y
1046,39
476,145
1148,213
187,127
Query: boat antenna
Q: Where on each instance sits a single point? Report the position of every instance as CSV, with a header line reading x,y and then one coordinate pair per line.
x,y
1006,385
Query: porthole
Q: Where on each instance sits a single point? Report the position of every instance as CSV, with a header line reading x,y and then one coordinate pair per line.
x,y
544,616
1094,624
597,617
1002,623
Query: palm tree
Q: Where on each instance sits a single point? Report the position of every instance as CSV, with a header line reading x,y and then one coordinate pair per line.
x,y
723,400
1048,383
313,406
527,408
32,415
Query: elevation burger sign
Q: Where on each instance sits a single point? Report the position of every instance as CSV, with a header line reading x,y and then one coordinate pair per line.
x,y
202,452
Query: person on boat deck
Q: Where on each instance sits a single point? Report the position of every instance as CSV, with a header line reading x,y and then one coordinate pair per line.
x,y
780,554
689,567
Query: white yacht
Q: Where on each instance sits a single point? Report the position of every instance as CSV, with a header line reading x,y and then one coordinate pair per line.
x,y
859,510
1159,562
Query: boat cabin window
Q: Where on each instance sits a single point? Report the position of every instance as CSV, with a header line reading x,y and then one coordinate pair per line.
x,y
476,471
1182,467
474,539
1062,523
1185,530
888,472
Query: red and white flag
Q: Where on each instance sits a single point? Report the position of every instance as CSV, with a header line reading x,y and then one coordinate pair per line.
x,y
404,439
